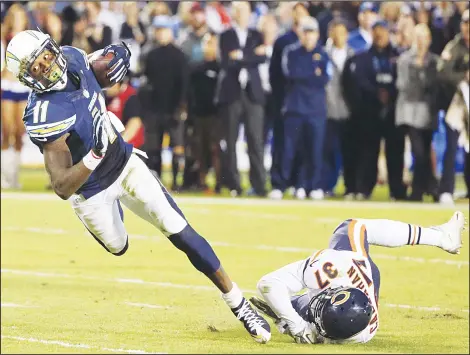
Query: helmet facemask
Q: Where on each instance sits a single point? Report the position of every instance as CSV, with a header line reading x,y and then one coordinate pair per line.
x,y
340,313
315,309
55,75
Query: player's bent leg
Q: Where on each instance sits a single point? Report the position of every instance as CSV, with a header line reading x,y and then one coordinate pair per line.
x,y
353,235
103,218
149,199
350,236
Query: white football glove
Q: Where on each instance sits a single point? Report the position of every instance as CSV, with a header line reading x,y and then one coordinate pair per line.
x,y
308,335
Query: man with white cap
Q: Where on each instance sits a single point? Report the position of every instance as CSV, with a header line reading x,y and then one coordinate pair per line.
x,y
306,67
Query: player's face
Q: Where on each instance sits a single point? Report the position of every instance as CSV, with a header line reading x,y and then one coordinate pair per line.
x,y
45,69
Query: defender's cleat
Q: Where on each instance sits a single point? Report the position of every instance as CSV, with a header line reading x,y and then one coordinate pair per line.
x,y
256,325
452,233
264,308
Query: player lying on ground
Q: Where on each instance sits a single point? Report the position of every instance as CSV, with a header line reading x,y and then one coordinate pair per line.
x,y
90,164
342,282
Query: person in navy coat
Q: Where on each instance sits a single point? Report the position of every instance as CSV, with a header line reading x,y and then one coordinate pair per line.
x,y
307,68
278,86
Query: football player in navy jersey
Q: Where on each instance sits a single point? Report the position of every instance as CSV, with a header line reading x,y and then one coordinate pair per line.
x,y
90,164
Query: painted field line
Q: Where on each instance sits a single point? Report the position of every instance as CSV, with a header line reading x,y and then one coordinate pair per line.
x,y
264,202
15,305
77,346
145,305
421,308
305,251
191,287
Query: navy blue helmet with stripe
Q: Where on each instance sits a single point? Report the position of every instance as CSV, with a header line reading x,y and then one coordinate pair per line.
x,y
340,313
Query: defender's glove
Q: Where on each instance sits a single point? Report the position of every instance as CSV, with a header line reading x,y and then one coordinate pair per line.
x,y
306,336
120,62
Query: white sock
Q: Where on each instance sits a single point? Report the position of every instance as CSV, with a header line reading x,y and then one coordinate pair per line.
x,y
16,167
7,165
234,297
389,233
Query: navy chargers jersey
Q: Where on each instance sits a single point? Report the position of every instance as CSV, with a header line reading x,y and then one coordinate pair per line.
x,y
50,115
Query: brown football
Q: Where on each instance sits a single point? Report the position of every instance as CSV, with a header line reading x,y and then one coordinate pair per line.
x,y
99,66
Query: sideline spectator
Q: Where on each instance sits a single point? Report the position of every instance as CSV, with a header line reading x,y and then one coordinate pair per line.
x,y
338,138
132,31
453,67
166,69
307,68
202,86
417,107
361,39
241,97
122,100
14,99
191,41
278,84
268,26
97,34
375,72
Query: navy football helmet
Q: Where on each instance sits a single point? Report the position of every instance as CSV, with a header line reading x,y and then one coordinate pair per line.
x,y
340,313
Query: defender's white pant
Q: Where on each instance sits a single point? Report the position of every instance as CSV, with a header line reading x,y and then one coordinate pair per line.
x,y
138,190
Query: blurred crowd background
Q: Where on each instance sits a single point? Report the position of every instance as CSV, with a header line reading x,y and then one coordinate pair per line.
x,y
307,92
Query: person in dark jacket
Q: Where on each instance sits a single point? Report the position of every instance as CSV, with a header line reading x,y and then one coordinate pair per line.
x,y
307,69
241,98
202,85
167,73
375,75
277,82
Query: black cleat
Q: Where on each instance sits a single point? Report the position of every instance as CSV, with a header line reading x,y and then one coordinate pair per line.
x,y
255,324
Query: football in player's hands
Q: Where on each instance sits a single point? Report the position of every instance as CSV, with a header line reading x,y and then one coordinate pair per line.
x,y
99,65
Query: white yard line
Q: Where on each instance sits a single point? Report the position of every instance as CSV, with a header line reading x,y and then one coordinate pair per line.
x,y
145,305
286,249
77,346
15,305
191,287
265,202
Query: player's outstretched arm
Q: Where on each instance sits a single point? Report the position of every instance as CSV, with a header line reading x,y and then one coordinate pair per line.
x,y
277,288
66,178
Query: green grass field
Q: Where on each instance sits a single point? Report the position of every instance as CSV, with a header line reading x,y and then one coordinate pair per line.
x,y
62,293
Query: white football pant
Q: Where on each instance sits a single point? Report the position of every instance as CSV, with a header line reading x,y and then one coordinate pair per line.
x,y
139,191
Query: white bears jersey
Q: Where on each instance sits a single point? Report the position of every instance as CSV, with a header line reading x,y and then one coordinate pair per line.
x,y
333,268
345,263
